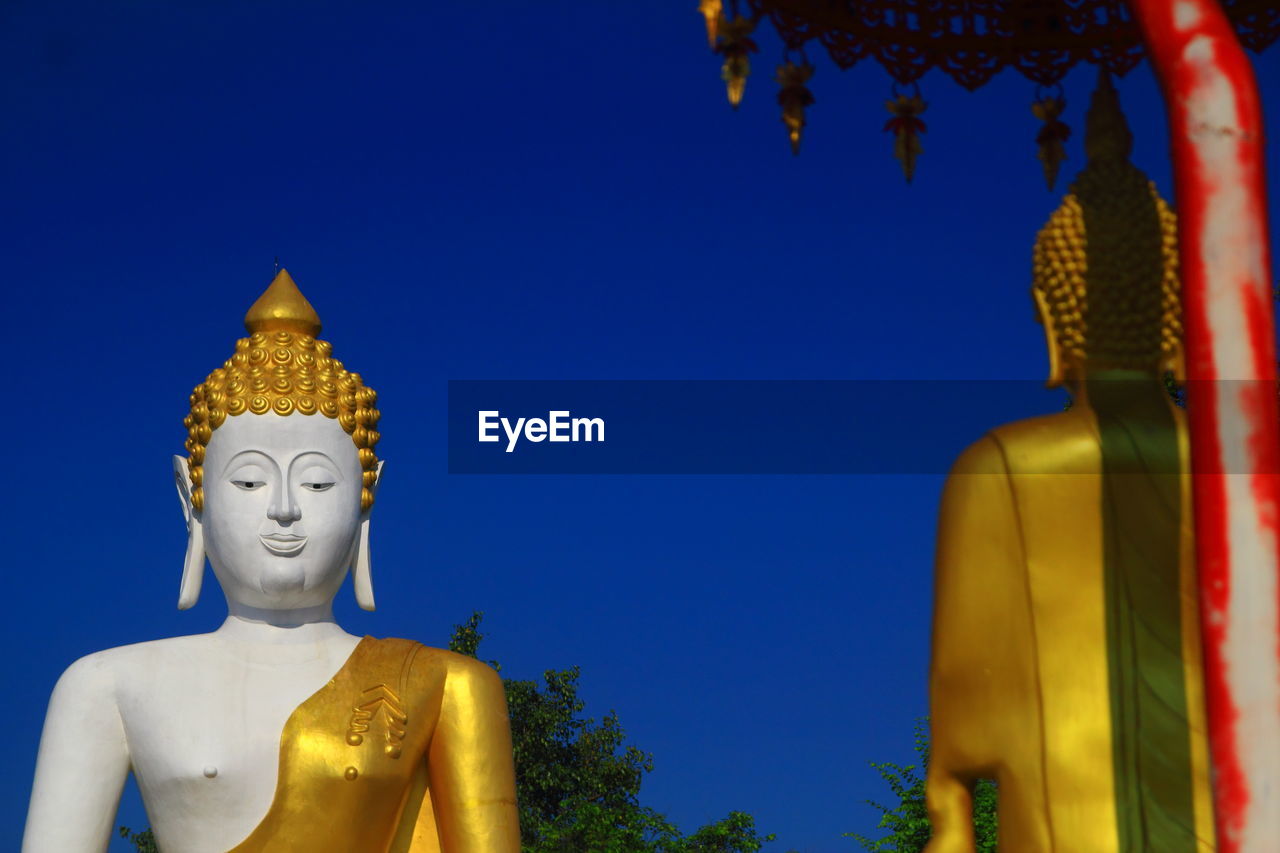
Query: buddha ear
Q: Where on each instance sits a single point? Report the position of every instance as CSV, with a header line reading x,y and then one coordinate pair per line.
x,y
1177,365
1045,317
362,567
193,565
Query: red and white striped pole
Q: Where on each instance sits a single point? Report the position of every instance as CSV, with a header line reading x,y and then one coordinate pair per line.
x,y
1216,127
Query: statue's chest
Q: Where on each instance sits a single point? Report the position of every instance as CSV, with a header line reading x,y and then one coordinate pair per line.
x,y
206,727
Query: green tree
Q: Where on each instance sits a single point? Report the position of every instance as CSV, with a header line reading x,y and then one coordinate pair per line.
x,y
578,781
907,823
144,841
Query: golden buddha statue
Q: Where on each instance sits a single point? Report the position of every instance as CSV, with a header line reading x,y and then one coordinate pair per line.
x,y
1066,646
279,731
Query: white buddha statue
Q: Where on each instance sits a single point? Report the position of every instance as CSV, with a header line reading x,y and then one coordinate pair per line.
x,y
279,731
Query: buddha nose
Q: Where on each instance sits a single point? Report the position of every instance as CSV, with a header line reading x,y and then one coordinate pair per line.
x,y
284,509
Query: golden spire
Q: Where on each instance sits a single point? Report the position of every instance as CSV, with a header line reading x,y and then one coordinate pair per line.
x,y
283,307
1106,131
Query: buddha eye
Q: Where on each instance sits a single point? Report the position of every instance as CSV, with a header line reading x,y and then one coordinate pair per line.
x,y
316,477
248,485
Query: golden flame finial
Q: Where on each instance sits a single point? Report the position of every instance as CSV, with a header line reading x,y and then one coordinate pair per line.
x,y
283,307
1106,135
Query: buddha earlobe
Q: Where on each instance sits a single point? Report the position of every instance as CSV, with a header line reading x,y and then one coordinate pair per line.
x,y
1177,365
1045,316
362,566
193,565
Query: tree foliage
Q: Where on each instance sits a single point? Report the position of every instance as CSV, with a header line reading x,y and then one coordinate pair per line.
x,y
144,841
578,781
907,823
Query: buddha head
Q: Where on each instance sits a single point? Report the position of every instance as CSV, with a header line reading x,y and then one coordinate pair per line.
x,y
1105,266
280,473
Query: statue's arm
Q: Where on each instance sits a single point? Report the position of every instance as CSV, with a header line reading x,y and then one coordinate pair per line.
x,y
473,784
977,674
82,765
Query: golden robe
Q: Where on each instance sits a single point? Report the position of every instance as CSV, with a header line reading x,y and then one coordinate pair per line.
x,y
407,749
1066,645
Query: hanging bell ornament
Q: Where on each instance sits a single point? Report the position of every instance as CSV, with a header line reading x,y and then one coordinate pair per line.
x,y
713,11
735,44
1052,137
794,97
907,127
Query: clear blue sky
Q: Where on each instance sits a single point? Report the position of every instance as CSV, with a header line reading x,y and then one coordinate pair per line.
x,y
525,190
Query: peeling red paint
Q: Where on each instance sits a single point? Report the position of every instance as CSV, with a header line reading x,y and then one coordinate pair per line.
x,y
1218,171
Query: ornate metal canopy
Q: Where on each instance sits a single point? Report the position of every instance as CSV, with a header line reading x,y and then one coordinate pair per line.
x,y
971,40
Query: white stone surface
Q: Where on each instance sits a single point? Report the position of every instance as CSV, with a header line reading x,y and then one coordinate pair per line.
x,y
198,718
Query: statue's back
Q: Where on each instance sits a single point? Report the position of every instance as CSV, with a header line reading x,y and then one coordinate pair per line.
x,y
1066,646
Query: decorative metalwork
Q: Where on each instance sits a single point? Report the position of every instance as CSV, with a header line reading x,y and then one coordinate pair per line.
x,y
1051,140
794,97
907,126
734,43
971,40
712,11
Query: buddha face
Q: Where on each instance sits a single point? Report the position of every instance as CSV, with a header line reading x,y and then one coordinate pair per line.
x,y
282,508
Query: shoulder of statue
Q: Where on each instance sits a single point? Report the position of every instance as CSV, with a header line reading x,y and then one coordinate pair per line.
x,y
144,657
471,678
1062,442
472,689
424,654
395,645
984,456
424,670
93,675
99,676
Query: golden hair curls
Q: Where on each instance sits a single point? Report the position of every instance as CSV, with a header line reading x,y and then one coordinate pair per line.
x,y
282,368
1113,296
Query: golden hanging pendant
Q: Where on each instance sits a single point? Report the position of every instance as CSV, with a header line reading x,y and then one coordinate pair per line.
x,y
794,97
907,127
735,44
713,11
1052,137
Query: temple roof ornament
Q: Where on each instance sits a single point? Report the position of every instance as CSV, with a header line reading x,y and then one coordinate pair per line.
x,y
969,40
